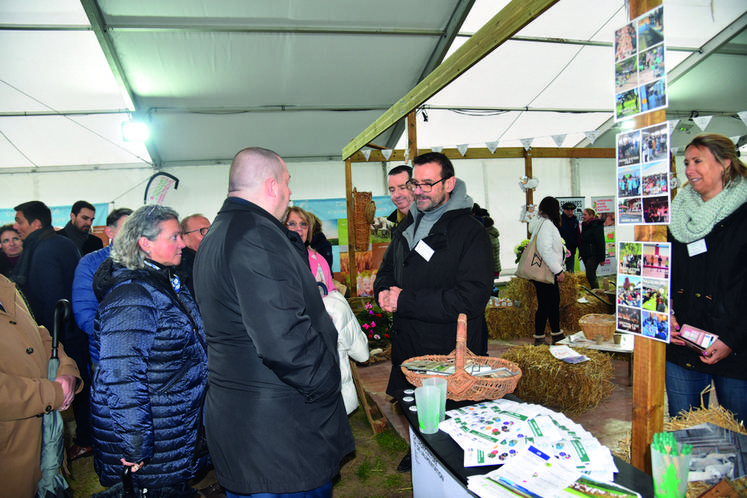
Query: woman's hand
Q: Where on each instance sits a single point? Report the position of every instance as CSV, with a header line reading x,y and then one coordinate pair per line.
x,y
133,466
68,390
560,276
715,353
674,332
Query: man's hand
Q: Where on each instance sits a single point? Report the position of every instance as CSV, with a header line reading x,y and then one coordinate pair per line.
x,y
384,300
68,390
388,299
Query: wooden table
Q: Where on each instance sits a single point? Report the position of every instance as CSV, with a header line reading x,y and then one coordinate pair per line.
x,y
625,347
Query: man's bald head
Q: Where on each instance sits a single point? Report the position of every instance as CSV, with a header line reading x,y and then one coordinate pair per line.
x,y
250,168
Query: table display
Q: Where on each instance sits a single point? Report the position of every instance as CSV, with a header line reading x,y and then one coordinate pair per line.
x,y
623,344
439,470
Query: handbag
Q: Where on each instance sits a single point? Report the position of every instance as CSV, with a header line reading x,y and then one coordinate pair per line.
x,y
532,266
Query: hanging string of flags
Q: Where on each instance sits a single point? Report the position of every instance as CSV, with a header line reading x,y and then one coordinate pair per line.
x,y
701,122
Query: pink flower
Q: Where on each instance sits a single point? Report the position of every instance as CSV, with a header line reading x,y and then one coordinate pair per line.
x,y
376,336
373,324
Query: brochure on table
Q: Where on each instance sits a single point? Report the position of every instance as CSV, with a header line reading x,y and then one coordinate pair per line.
x,y
495,432
643,289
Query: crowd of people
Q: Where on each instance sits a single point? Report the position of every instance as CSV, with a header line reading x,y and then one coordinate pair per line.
x,y
254,292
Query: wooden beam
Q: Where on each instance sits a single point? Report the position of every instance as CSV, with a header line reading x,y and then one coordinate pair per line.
x,y
512,18
528,172
351,227
412,135
650,356
500,153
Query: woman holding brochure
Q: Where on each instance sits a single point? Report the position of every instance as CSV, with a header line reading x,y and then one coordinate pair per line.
x,y
709,277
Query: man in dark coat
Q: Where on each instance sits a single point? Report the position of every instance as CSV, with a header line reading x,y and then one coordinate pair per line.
x,y
275,418
569,230
78,229
45,274
439,264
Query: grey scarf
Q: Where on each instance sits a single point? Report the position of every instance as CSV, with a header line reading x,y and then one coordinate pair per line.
x,y
693,219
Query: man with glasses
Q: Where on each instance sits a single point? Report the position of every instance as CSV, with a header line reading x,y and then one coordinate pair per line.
x,y
194,227
439,264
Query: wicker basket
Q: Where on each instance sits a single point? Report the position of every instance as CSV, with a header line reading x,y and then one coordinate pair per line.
x,y
598,327
460,385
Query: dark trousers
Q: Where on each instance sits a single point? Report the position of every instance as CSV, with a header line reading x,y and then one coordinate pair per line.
x,y
591,264
77,349
548,307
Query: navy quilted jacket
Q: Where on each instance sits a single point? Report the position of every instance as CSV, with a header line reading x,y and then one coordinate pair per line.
x,y
148,392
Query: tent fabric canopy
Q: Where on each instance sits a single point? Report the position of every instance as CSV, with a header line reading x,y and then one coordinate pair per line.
x,y
305,78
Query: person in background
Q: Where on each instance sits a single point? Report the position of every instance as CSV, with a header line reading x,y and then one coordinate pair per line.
x,y
299,221
708,233
569,230
591,250
45,275
149,388
319,241
194,227
11,245
550,247
438,265
78,229
26,393
276,422
401,195
84,299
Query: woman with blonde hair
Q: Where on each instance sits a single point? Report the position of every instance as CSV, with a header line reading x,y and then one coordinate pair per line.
x,y
300,221
708,233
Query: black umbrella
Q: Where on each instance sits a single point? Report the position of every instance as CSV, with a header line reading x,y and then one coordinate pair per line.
x,y
52,484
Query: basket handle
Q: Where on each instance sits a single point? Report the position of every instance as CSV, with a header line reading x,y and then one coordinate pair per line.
x,y
461,342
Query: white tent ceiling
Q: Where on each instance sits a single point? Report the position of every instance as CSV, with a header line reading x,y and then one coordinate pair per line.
x,y
305,77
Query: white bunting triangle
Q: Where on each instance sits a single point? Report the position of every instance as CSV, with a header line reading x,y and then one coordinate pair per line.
x,y
462,148
387,153
735,140
591,136
526,142
702,121
675,150
672,125
743,116
492,146
437,148
559,139
366,153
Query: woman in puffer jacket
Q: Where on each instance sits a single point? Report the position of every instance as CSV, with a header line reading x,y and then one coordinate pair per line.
x,y
149,388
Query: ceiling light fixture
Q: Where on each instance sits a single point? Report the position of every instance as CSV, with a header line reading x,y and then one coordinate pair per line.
x,y
135,130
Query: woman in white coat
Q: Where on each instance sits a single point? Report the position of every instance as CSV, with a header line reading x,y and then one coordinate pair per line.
x,y
550,247
351,341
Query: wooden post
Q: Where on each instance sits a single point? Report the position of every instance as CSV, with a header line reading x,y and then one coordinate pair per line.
x,y
650,356
528,172
412,135
351,226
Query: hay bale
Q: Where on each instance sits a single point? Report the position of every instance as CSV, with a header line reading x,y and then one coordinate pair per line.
x,y
574,388
509,323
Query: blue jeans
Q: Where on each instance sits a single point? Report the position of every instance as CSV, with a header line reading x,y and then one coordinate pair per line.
x,y
324,491
684,387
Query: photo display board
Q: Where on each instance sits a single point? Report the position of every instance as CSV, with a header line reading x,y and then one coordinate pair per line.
x,y
643,193
640,74
643,289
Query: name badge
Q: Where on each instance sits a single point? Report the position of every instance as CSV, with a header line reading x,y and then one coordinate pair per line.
x,y
697,247
424,250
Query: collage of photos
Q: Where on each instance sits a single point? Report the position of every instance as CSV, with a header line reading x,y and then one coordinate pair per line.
x,y
643,195
640,74
643,287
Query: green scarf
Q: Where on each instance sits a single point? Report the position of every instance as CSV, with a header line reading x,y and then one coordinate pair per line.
x,y
693,219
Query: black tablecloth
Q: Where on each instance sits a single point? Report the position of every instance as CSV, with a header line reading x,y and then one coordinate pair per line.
x,y
451,454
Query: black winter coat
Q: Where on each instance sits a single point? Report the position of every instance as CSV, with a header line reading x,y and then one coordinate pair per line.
x,y
275,418
592,240
458,278
709,291
148,390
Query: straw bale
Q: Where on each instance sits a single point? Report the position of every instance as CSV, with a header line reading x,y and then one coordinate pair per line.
x,y
574,388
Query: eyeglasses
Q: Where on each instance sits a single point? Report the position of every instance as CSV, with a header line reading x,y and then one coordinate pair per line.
x,y
202,231
425,187
293,224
